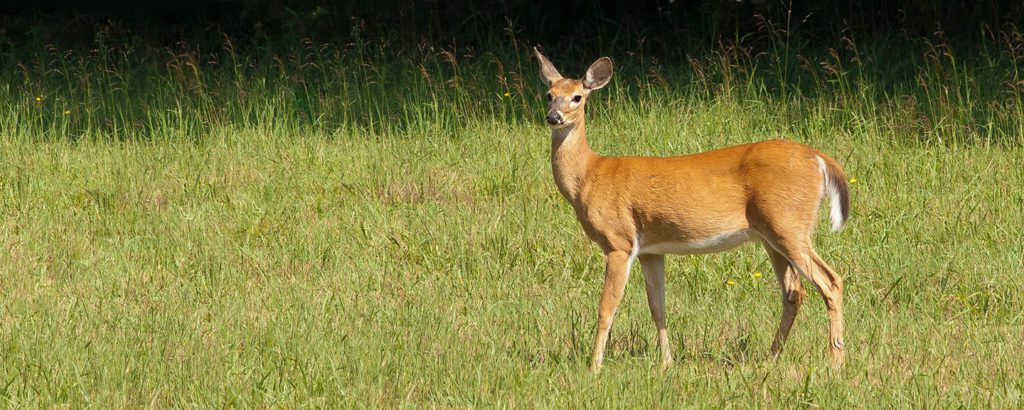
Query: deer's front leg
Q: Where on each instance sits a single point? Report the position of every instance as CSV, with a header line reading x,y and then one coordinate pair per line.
x,y
654,274
617,264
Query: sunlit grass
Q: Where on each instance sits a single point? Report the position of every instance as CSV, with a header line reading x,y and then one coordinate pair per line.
x,y
381,228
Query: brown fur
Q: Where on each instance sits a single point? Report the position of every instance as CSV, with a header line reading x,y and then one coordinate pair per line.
x,y
771,190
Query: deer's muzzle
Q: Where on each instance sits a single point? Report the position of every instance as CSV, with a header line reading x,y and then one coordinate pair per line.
x,y
555,118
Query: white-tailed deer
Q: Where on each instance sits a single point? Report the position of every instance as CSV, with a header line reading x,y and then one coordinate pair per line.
x,y
646,207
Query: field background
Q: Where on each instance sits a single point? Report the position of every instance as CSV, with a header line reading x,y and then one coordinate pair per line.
x,y
332,205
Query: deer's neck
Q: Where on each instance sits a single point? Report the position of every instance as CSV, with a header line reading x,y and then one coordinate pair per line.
x,y
571,156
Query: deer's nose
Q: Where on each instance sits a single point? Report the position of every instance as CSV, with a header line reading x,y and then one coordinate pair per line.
x,y
554,118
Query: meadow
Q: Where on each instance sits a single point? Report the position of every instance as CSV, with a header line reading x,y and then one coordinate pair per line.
x,y
367,225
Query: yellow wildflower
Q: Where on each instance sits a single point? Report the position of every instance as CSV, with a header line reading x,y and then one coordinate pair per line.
x,y
853,180
758,274
67,112
730,282
39,98
508,94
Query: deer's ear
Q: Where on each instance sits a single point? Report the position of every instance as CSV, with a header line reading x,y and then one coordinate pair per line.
x,y
598,74
548,73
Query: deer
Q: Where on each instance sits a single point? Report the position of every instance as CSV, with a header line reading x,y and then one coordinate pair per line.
x,y
643,208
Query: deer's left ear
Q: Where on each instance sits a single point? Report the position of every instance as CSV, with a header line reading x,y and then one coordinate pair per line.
x,y
598,74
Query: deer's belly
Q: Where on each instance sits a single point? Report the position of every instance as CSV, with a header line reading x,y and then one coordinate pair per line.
x,y
712,244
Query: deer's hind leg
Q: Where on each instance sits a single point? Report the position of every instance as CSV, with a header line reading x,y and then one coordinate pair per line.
x,y
793,295
799,252
830,286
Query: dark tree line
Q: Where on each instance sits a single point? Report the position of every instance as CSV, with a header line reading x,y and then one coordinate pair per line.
x,y
663,27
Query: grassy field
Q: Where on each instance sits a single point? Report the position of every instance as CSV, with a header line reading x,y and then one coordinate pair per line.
x,y
365,226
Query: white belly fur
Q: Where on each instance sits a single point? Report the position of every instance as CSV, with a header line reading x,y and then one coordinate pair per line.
x,y
717,243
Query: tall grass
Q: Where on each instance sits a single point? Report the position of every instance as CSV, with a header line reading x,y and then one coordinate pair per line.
x,y
918,90
367,224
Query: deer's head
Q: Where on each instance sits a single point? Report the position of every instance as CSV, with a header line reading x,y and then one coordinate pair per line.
x,y
566,96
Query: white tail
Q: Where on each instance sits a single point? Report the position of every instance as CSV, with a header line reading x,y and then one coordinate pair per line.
x,y
839,197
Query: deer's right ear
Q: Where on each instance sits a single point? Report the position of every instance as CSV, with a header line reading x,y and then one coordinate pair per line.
x,y
548,73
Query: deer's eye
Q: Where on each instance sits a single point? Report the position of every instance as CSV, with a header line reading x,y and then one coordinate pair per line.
x,y
577,98
550,97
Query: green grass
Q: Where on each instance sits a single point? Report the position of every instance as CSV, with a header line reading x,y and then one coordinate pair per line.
x,y
262,234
